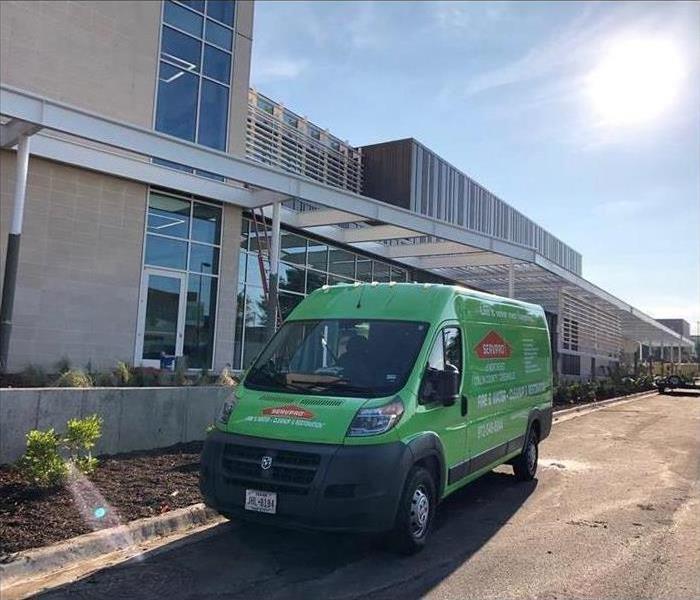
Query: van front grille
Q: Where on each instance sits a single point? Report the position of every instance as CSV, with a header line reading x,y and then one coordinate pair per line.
x,y
290,472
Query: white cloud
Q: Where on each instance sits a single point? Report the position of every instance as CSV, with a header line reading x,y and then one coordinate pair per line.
x,y
269,68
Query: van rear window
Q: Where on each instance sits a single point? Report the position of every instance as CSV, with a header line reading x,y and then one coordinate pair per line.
x,y
339,357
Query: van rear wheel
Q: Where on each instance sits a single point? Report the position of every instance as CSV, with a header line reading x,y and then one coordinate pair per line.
x,y
414,517
525,464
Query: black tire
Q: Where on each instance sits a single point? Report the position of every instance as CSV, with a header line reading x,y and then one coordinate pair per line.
x,y
525,464
414,517
675,381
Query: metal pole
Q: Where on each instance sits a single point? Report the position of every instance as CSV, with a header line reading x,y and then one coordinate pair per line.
x,y
274,269
511,279
12,255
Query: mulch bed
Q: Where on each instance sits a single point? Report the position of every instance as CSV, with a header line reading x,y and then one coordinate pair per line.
x,y
124,487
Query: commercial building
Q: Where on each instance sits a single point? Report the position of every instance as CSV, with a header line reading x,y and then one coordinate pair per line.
x,y
166,201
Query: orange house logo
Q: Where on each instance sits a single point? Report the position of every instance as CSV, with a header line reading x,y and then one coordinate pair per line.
x,y
493,346
295,412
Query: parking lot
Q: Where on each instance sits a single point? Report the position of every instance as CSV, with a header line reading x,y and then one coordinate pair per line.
x,y
609,516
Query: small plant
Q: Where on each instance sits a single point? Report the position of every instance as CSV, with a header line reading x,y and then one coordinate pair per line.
x,y
225,378
41,463
74,378
104,380
81,436
122,374
34,376
204,377
62,365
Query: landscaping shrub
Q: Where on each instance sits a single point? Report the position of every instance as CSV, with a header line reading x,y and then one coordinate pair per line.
x,y
122,374
74,378
225,378
62,365
43,463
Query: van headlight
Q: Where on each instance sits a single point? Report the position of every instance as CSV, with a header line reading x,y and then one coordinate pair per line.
x,y
373,421
225,411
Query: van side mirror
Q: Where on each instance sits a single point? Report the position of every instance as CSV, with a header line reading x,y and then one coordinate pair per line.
x,y
441,386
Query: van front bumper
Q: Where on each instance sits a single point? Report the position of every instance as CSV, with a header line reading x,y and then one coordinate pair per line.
x,y
318,486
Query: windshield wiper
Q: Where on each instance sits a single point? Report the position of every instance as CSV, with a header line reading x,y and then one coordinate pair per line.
x,y
346,386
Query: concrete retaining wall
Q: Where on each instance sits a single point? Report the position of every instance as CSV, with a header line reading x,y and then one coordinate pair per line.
x,y
134,418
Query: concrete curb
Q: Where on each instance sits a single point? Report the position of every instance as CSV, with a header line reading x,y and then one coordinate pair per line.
x,y
600,403
40,562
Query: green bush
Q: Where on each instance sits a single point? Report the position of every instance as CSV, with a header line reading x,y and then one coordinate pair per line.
x,y
41,463
74,378
62,365
123,374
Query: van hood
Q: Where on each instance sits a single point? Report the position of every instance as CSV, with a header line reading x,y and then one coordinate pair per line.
x,y
293,417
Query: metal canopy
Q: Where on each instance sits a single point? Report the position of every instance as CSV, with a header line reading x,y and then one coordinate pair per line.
x,y
77,137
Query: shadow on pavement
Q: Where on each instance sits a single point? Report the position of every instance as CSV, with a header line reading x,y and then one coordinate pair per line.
x,y
246,561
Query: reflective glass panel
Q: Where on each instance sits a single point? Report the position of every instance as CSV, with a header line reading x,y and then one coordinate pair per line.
x,y
206,223
216,34
238,339
204,259
255,322
364,269
181,49
221,10
381,272
198,346
182,18
287,302
398,275
162,308
176,113
217,64
293,248
195,4
314,280
164,252
317,256
213,115
342,263
168,216
291,278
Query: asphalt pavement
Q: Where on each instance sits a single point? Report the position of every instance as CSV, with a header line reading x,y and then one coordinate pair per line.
x,y
613,513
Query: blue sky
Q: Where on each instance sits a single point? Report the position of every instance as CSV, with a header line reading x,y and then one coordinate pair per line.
x,y
503,91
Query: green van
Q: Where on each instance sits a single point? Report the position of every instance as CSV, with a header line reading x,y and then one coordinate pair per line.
x,y
373,402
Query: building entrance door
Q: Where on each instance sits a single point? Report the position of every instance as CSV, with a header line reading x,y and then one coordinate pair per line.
x,y
161,326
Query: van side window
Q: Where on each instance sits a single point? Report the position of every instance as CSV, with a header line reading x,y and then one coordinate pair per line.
x,y
446,353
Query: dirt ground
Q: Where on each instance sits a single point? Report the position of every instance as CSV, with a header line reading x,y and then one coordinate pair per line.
x,y
124,487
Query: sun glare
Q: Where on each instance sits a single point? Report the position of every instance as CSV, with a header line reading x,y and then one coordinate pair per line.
x,y
635,81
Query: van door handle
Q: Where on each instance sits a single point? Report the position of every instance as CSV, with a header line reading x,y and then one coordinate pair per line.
x,y
464,405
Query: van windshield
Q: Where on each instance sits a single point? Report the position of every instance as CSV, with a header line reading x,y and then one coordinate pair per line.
x,y
339,357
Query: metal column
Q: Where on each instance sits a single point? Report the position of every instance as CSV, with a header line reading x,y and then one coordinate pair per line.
x,y
274,269
12,256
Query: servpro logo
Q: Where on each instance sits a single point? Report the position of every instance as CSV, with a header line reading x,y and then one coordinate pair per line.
x,y
289,410
492,346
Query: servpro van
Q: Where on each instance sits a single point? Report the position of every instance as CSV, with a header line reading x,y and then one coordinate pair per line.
x,y
373,402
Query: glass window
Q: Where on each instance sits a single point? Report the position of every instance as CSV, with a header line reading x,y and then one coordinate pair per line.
x,y
164,252
238,340
314,280
333,279
195,4
290,119
242,259
181,49
217,64
381,272
253,274
255,323
168,216
436,360
287,302
364,269
221,10
198,345
317,256
213,115
342,263
291,278
204,259
398,275
182,18
314,132
453,347
206,223
176,113
293,248
216,34
162,309
265,105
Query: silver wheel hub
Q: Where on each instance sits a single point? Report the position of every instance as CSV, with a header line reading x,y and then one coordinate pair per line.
x,y
420,511
531,456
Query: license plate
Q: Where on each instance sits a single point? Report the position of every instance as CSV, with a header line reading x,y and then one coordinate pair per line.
x,y
259,501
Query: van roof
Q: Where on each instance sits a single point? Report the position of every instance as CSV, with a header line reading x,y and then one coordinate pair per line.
x,y
402,301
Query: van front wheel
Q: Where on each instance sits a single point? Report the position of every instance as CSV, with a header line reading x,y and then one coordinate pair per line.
x,y
415,513
525,464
